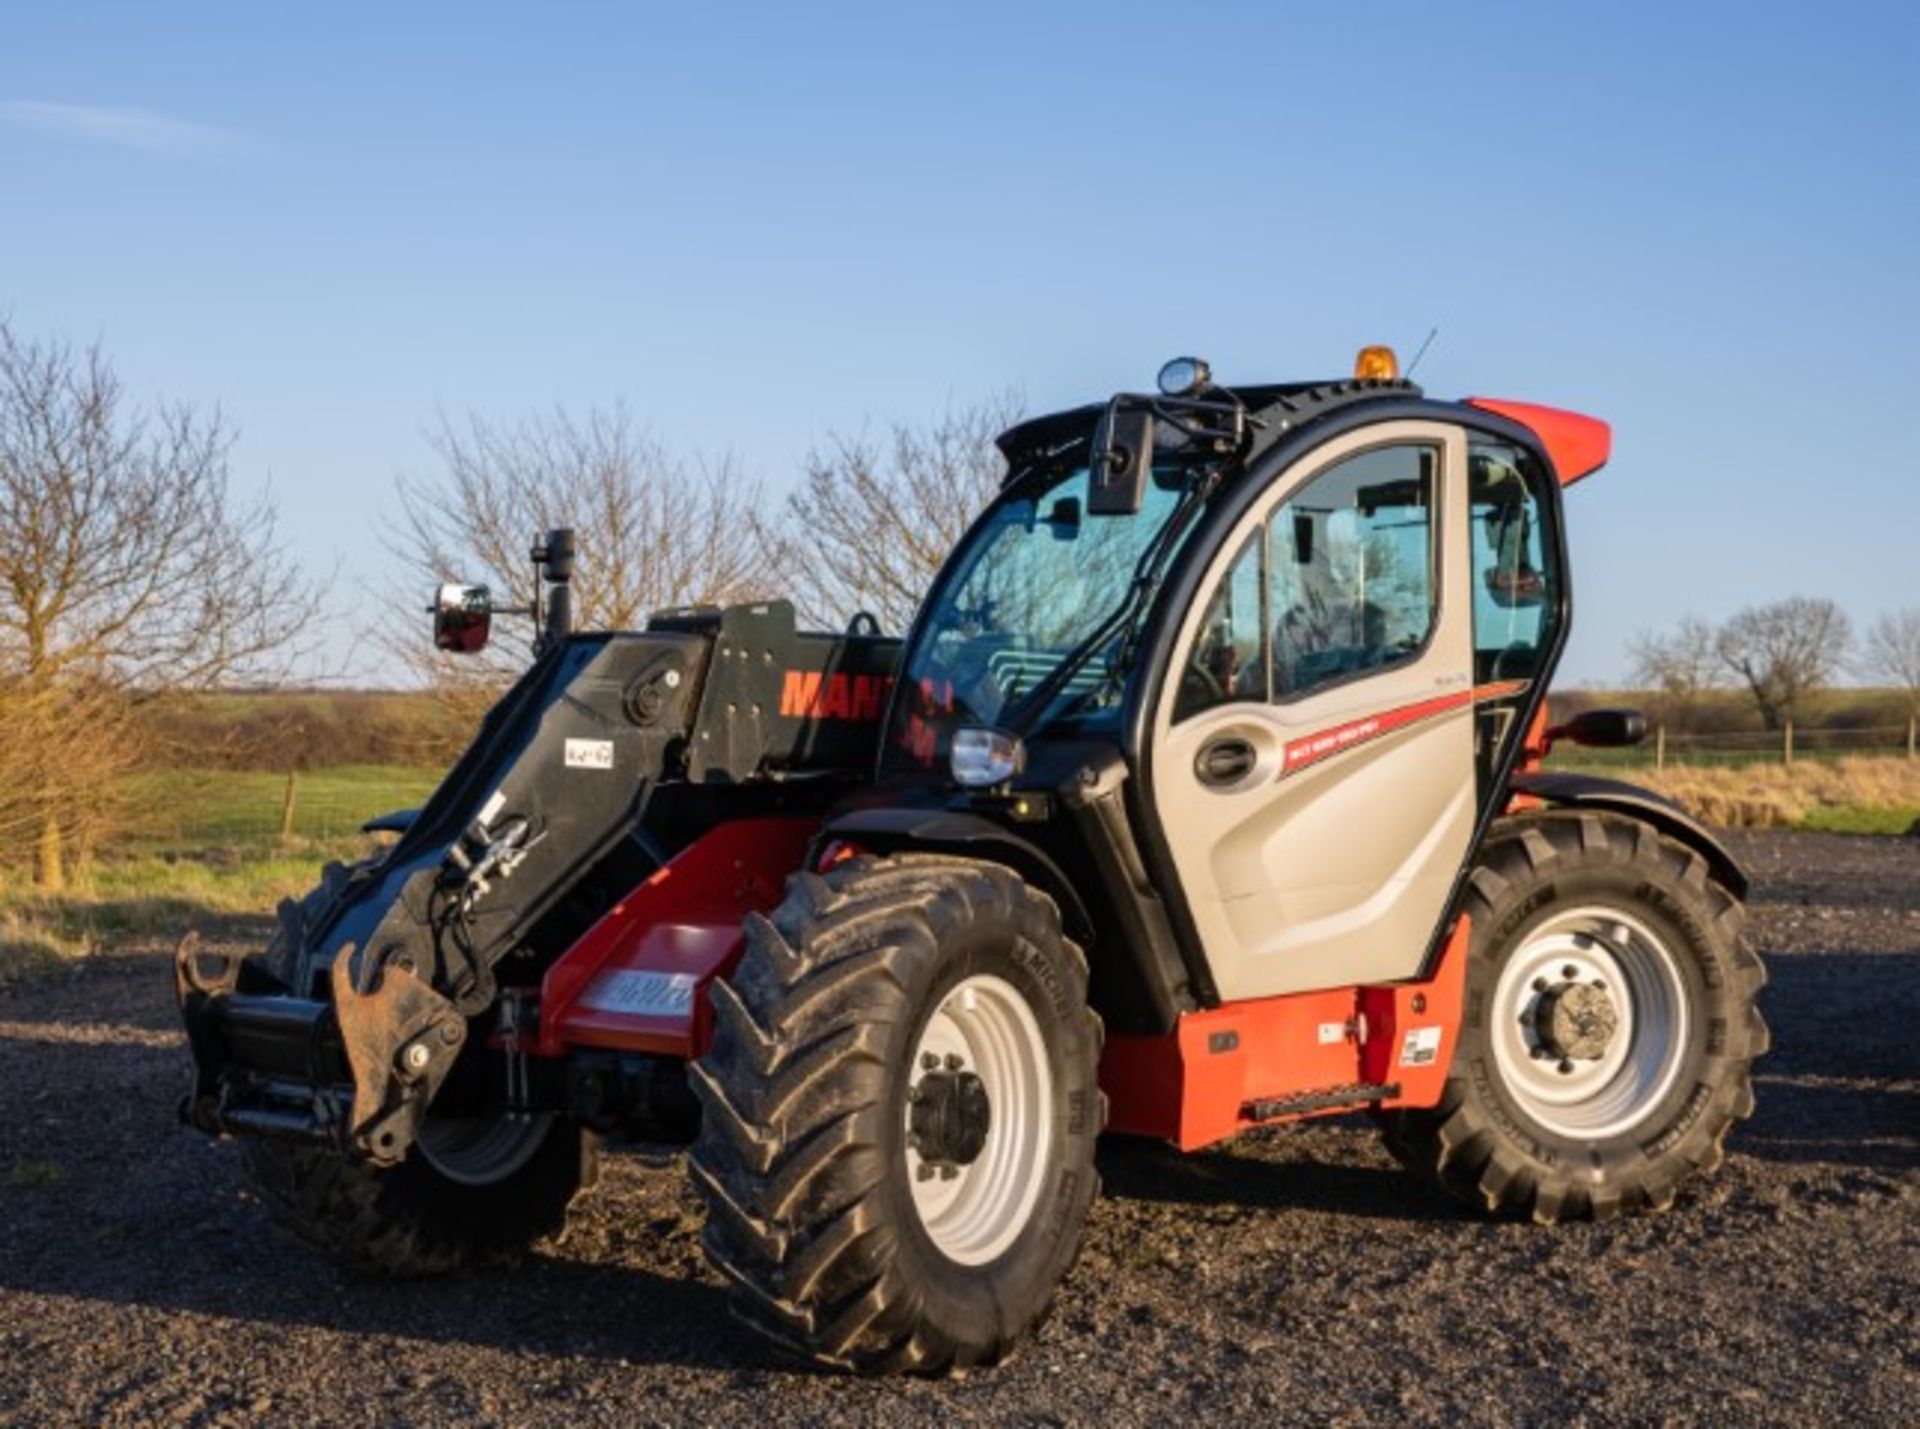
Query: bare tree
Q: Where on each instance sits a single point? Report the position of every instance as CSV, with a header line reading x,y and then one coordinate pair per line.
x,y
1786,651
127,568
654,531
1893,651
872,520
1683,664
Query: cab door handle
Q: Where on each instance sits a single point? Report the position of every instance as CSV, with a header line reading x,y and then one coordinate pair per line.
x,y
1226,760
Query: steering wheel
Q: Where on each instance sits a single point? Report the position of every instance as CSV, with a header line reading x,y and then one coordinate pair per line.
x,y
1200,687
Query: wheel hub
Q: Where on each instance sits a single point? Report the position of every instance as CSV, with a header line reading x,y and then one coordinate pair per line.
x,y
976,1119
1576,1021
949,1116
1592,1022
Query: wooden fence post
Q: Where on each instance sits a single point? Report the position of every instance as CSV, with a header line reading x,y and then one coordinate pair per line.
x,y
1913,730
1788,743
1659,746
286,810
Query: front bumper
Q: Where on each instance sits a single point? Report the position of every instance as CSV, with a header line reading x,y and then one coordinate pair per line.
x,y
264,1063
358,1071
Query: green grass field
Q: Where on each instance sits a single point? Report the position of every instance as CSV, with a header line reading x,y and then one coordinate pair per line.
x,y
202,845
177,809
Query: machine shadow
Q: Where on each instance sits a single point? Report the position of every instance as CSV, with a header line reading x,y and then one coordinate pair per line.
x,y
1136,1170
122,1206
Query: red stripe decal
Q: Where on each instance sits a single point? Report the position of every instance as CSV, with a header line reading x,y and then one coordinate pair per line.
x,y
1483,693
1304,753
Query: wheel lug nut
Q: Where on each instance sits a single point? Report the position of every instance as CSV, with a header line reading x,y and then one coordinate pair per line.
x,y
1539,984
925,1173
1569,972
1565,1067
1599,986
954,1062
947,1173
929,1060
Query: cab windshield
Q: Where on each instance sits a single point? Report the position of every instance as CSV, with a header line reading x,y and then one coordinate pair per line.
x,y
1035,580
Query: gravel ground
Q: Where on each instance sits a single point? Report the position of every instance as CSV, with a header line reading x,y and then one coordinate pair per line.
x,y
1296,1274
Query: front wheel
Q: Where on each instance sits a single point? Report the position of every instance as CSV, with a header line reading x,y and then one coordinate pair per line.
x,y
900,1108
474,1191
1608,1030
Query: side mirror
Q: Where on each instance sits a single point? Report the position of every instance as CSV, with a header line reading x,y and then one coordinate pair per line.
x,y
1512,580
1063,521
1602,729
462,618
1518,589
1122,463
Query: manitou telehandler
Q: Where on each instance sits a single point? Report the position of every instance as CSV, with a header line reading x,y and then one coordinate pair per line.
x,y
1205,793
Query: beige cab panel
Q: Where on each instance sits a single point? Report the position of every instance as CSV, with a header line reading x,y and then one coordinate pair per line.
x,y
1330,860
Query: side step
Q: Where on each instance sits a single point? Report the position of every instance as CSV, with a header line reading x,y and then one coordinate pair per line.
x,y
1354,1094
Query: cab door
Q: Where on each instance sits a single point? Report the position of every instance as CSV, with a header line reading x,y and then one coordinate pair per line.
x,y
1312,757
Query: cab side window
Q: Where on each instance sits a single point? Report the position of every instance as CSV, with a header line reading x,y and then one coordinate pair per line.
x,y
1354,563
1515,581
1230,654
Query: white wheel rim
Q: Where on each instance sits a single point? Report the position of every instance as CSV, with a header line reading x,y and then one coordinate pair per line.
x,y
481,1150
1591,1097
974,1212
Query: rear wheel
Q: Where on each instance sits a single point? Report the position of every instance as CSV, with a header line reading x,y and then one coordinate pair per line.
x,y
1608,1030
475,1191
900,1108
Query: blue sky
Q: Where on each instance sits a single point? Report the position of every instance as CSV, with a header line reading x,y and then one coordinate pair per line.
x,y
755,224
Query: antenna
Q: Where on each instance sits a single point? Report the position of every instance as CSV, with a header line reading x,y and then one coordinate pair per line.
x,y
1432,333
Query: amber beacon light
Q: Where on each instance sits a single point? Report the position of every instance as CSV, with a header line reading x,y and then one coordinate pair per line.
x,y
1376,364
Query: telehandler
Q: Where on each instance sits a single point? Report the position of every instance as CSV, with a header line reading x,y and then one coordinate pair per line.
x,y
1205,793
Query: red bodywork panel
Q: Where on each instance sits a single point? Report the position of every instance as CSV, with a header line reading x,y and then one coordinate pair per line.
x,y
637,979
1579,446
1195,1086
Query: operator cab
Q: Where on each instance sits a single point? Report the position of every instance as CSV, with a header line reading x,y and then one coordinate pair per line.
x,y
1203,635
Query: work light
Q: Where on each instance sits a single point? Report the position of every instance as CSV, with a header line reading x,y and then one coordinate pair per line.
x,y
1185,376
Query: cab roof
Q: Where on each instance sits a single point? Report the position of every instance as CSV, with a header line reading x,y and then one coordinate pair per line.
x,y
1577,445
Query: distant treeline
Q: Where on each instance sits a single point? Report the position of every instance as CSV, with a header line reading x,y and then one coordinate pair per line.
x,y
1712,712
303,729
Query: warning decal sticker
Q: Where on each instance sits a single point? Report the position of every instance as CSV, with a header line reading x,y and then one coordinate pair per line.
x,y
589,754
642,993
1420,1047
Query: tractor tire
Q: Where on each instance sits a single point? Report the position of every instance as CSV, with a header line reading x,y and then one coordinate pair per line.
x,y
1608,1029
418,1219
900,1109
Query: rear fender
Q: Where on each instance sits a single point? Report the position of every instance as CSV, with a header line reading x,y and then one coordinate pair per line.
x,y
1588,791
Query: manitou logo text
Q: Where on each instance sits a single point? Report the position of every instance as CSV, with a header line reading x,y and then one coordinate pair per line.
x,y
808,694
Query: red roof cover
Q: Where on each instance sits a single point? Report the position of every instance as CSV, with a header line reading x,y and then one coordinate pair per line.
x,y
1578,446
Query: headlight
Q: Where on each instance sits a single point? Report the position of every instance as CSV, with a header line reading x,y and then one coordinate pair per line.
x,y
983,757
